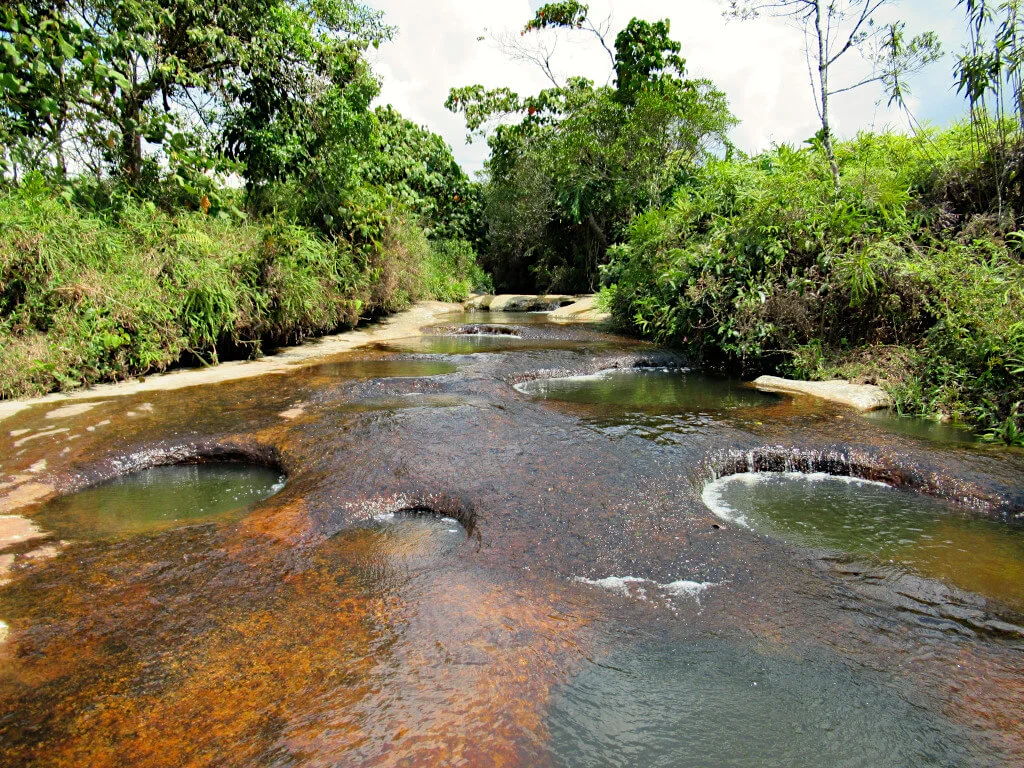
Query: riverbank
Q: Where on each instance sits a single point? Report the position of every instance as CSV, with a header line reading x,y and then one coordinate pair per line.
x,y
401,325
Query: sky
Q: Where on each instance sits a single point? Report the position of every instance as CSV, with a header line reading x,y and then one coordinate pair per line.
x,y
760,65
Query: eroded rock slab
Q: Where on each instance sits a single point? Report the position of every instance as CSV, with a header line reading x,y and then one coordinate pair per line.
x,y
15,529
583,310
863,397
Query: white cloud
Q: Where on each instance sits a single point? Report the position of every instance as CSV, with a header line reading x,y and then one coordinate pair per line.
x,y
760,65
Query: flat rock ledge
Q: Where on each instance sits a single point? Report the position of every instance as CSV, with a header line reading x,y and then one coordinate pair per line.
x,y
863,397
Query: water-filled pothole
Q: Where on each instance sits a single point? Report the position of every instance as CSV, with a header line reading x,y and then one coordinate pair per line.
x,y
383,369
461,344
927,535
420,522
649,388
718,704
161,498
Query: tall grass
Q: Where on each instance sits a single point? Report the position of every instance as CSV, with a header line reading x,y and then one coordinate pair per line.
x,y
88,297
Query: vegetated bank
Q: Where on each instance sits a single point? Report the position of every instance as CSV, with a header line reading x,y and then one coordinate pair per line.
x,y
909,275
88,297
125,128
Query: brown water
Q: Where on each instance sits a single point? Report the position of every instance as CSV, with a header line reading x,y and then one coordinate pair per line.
x,y
459,573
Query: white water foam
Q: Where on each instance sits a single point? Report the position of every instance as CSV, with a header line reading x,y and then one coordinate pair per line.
x,y
636,587
4,632
712,495
685,588
616,584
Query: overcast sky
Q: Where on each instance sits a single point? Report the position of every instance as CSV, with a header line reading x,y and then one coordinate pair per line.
x,y
759,64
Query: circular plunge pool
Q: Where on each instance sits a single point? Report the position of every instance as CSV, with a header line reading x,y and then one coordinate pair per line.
x,y
865,518
161,498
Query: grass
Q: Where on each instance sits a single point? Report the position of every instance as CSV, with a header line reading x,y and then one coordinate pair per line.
x,y
88,297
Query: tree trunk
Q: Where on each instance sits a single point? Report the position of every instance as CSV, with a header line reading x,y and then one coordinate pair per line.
x,y
131,144
826,129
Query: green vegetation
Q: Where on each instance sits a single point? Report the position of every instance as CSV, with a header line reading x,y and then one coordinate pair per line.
x,y
86,297
566,179
901,276
124,249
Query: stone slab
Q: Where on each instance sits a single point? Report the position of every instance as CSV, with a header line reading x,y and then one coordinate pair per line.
x,y
863,397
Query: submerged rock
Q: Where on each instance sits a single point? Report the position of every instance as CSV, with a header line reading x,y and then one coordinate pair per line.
x,y
863,397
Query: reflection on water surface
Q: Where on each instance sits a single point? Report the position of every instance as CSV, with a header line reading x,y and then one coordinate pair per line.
x,y
649,388
383,369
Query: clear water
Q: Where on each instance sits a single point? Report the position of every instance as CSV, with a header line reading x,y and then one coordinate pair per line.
x,y
383,369
649,388
926,535
496,318
928,429
728,706
159,499
460,344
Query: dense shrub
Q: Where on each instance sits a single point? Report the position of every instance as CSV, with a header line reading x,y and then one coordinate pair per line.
x,y
759,265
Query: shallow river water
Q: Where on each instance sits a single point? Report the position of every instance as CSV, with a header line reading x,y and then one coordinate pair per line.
x,y
505,543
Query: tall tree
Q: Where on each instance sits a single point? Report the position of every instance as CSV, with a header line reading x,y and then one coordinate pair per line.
x,y
834,28
120,72
571,165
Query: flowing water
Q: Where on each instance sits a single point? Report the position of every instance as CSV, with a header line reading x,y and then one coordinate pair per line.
x,y
554,554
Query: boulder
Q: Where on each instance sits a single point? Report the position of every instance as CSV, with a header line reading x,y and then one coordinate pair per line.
x,y
863,397
478,303
583,310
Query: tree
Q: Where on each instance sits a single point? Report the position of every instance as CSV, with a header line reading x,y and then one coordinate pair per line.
x,y
571,165
834,28
121,74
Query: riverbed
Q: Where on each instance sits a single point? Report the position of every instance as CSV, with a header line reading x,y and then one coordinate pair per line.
x,y
493,543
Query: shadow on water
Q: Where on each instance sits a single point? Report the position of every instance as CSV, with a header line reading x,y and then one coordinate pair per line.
x,y
927,429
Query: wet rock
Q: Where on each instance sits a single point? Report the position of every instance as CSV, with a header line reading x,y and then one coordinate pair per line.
x,y
15,529
68,411
22,495
863,397
1002,628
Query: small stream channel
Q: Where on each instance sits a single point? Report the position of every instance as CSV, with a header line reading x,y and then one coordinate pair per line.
x,y
505,542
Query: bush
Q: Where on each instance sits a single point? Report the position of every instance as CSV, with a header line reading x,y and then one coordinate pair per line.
x,y
759,265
